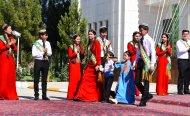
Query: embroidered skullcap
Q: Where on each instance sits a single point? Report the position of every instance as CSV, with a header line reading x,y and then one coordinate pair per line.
x,y
4,26
42,31
145,24
103,27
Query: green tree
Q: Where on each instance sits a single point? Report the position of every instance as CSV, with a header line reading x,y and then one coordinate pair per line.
x,y
52,11
24,16
71,23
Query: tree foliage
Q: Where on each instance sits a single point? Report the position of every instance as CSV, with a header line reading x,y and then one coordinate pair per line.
x,y
51,12
24,16
71,23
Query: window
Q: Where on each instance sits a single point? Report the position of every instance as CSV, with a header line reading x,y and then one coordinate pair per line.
x,y
101,23
107,25
95,26
89,26
167,26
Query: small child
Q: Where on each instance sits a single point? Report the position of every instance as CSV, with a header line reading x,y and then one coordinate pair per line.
x,y
125,90
109,76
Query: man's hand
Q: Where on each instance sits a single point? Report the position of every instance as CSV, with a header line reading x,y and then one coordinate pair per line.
x,y
133,68
109,42
45,51
151,69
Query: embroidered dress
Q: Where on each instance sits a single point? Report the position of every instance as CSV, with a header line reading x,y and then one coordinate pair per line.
x,y
89,89
164,65
132,48
7,71
125,90
74,70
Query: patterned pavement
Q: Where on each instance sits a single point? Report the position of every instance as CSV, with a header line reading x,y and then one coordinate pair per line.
x,y
172,105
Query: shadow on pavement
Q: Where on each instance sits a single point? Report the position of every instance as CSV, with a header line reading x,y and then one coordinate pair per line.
x,y
27,97
58,98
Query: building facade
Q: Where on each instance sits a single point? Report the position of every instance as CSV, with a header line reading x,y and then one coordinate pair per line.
x,y
122,17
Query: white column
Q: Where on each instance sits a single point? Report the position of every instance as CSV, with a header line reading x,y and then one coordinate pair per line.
x,y
119,30
131,20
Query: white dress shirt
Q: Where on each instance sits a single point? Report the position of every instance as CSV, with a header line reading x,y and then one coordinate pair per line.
x,y
37,54
109,66
106,44
149,46
182,49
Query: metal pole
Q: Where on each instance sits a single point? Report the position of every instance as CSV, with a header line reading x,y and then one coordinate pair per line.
x,y
17,54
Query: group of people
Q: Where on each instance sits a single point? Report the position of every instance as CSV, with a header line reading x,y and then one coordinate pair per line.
x,y
138,66
41,49
93,81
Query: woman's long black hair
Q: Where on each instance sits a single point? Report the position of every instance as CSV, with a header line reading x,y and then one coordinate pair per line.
x,y
167,42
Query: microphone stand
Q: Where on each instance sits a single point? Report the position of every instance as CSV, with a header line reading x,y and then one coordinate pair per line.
x,y
17,62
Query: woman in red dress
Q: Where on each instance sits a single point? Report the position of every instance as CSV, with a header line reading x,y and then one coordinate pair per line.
x,y
7,65
75,55
89,88
164,52
132,47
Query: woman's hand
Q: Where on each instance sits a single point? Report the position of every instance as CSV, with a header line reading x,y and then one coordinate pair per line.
x,y
81,50
97,68
133,68
12,41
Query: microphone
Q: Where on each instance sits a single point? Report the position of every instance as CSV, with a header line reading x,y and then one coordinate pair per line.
x,y
16,33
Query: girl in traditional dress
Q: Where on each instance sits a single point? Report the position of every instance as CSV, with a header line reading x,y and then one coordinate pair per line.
x,y
164,52
132,47
7,65
125,90
90,88
75,55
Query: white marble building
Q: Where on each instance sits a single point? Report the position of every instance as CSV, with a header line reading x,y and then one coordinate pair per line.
x,y
122,18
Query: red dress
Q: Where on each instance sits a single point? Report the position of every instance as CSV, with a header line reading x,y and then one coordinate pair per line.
x,y
89,88
162,78
132,49
7,72
74,71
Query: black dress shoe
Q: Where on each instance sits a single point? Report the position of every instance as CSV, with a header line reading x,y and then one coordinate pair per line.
x,y
149,97
105,101
36,98
113,94
180,93
186,92
45,98
142,104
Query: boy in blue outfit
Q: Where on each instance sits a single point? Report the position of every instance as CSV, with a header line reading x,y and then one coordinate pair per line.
x,y
109,76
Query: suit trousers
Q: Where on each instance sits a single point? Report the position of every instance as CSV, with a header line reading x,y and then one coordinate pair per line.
x,y
144,89
184,75
107,87
40,66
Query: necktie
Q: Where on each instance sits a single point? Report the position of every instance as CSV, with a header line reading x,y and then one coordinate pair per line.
x,y
44,45
141,41
103,46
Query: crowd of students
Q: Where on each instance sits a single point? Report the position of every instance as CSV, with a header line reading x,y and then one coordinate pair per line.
x,y
93,82
136,68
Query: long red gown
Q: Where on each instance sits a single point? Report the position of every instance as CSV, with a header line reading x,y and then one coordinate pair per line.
x,y
132,49
7,72
89,88
74,72
162,78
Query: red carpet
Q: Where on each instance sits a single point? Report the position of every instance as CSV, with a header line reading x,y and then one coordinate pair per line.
x,y
68,108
